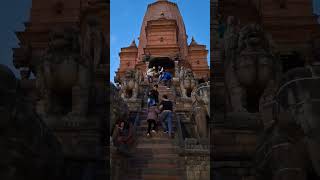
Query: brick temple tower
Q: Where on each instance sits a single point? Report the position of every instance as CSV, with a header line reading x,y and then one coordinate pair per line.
x,y
163,38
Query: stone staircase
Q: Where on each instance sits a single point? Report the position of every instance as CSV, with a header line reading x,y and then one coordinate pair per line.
x,y
155,157
164,90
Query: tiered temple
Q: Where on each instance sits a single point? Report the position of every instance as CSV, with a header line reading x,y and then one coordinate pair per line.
x,y
163,39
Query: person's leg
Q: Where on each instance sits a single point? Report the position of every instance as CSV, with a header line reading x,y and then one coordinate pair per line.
x,y
163,121
169,122
165,82
154,125
149,125
169,83
150,79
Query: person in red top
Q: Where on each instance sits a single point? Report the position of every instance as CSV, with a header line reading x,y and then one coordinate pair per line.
x,y
152,117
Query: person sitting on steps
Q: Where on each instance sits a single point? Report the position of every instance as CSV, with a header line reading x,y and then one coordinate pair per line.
x,y
152,117
166,116
122,137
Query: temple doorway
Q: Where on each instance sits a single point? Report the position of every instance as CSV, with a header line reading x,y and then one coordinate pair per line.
x,y
165,62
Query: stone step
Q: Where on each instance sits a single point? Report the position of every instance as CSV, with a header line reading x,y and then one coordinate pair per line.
x,y
154,140
145,149
153,156
159,160
159,135
155,171
142,131
168,147
152,177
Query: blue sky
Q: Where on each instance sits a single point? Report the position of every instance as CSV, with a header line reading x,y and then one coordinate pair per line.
x,y
127,16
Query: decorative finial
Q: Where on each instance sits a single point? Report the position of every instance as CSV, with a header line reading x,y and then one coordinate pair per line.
x,y
193,42
133,44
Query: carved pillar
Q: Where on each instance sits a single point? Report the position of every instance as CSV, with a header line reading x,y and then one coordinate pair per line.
x,y
176,68
147,65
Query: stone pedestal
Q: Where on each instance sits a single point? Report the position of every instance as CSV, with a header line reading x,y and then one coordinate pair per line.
x,y
198,166
134,104
183,104
197,160
84,153
235,139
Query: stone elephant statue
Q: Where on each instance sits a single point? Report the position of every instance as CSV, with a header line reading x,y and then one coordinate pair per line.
x,y
29,149
289,148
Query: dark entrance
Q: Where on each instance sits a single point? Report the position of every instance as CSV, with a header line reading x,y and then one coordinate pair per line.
x,y
164,62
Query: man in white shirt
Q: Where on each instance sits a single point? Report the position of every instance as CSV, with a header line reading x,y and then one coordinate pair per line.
x,y
150,74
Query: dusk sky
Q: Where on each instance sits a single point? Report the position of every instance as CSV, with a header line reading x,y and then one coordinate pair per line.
x,y
13,14
127,16
126,20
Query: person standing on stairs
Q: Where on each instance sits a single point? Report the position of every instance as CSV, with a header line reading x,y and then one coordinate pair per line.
x,y
160,71
150,74
153,96
152,117
166,116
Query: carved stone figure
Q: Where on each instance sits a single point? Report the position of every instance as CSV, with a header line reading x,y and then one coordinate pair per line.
x,y
231,40
130,84
201,108
29,150
249,71
94,45
289,148
187,82
63,73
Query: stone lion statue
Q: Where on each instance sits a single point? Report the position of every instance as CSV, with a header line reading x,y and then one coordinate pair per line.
x,y
62,73
201,108
130,84
29,150
249,68
187,82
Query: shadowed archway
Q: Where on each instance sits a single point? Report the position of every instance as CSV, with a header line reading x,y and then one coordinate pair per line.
x,y
165,62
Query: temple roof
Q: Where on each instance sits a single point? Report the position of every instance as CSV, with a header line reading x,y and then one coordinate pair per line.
x,y
165,10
